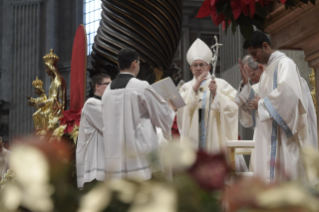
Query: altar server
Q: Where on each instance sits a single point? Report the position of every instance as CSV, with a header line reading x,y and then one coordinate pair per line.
x,y
131,110
90,155
223,120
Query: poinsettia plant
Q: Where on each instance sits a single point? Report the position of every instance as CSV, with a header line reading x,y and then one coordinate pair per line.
x,y
242,13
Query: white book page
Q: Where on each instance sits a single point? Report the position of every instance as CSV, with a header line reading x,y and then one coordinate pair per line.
x,y
167,89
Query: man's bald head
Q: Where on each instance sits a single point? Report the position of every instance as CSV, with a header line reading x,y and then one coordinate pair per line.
x,y
254,69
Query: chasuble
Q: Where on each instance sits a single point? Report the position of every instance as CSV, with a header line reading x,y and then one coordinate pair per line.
x,y
223,121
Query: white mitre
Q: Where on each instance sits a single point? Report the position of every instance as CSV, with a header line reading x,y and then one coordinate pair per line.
x,y
199,51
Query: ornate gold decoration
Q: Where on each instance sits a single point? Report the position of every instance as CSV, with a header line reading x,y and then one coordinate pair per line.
x,y
75,133
38,84
41,116
57,90
312,79
58,133
158,73
51,59
49,108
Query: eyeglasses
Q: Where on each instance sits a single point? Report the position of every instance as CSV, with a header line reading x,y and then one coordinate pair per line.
x,y
106,83
201,65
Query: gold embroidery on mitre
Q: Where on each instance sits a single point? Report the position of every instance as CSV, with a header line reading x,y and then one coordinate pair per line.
x,y
51,58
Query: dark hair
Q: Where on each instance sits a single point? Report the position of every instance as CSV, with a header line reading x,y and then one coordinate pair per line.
x,y
98,79
126,57
257,40
0,138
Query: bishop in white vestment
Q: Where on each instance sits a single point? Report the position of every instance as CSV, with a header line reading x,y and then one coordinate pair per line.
x,y
131,111
278,113
223,120
90,152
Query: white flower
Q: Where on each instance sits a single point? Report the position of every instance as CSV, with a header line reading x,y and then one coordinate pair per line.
x,y
155,197
97,199
31,188
178,155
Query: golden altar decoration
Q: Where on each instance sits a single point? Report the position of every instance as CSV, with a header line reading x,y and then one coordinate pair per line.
x,y
57,91
41,116
312,79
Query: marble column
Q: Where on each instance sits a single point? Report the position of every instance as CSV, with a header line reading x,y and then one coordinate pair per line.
x,y
25,60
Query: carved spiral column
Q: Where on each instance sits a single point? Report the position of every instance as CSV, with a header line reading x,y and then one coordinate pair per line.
x,y
25,57
151,27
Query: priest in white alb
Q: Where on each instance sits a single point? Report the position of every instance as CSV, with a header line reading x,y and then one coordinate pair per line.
x,y
223,120
90,155
278,113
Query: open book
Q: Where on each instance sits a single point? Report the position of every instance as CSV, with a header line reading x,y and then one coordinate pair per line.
x,y
167,89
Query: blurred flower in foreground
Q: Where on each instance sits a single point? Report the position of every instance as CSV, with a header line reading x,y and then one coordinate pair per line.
x,y
31,188
178,155
96,200
242,193
210,171
8,177
141,196
289,196
155,197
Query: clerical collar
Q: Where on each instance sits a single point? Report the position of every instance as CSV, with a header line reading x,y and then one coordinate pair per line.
x,y
127,73
97,97
273,57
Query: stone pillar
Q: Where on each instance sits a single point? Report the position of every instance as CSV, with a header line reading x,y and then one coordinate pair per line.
x,y
25,57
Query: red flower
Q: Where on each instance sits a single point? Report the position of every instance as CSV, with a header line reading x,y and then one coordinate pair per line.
x,y
210,171
209,8
70,118
175,131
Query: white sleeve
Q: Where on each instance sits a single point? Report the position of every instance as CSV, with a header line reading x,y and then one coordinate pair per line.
x,y
93,113
160,113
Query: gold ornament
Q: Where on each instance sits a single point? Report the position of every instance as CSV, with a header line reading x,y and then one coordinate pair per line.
x,y
38,84
75,133
57,90
312,79
51,59
41,116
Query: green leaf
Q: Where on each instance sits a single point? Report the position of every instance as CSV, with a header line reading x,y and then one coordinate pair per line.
x,y
226,25
260,10
220,7
244,20
228,13
246,31
234,27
